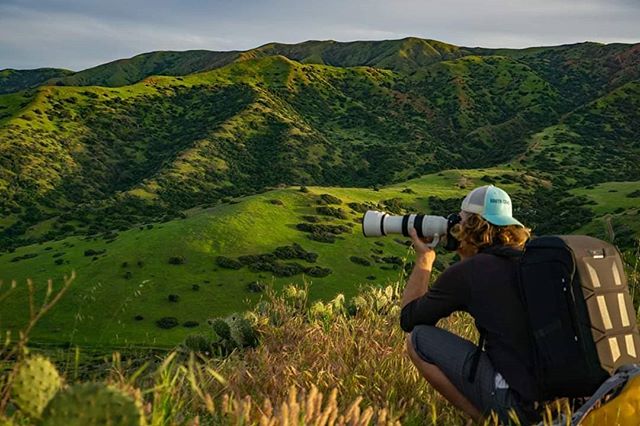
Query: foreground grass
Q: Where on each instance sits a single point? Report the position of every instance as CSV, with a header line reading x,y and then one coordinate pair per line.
x,y
324,363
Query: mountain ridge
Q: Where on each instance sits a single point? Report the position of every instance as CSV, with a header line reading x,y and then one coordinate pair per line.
x,y
179,63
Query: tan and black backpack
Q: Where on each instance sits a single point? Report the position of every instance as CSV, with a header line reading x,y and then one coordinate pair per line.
x,y
581,315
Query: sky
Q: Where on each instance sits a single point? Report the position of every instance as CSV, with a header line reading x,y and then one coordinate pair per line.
x,y
79,34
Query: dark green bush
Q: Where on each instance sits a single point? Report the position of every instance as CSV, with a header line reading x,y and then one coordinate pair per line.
x,y
359,207
177,260
255,287
332,211
322,237
323,228
295,251
228,263
330,199
197,342
312,219
317,271
92,252
360,260
254,258
167,322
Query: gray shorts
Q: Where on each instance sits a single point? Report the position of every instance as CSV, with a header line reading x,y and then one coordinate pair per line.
x,y
454,355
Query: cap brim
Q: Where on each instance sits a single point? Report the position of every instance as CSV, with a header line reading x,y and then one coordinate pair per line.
x,y
502,220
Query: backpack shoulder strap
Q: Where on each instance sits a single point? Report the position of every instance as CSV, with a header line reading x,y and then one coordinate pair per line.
x,y
476,355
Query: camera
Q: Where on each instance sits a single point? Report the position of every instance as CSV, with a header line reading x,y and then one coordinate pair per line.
x,y
376,223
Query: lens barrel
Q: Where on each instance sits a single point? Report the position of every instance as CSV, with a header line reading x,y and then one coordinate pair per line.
x,y
376,224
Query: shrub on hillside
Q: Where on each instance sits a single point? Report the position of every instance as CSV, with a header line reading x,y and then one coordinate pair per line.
x,y
317,271
24,257
394,205
330,199
393,259
198,342
358,207
322,237
360,260
332,211
167,322
255,258
255,287
92,252
276,202
295,251
177,260
228,263
323,228
190,324
312,219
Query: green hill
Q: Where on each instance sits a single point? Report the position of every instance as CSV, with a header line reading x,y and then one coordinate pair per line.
x,y
130,273
128,71
16,80
207,159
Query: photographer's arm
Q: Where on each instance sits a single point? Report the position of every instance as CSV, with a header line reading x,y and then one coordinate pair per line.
x,y
418,282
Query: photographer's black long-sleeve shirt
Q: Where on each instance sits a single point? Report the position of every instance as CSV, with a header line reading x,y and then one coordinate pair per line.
x,y
483,285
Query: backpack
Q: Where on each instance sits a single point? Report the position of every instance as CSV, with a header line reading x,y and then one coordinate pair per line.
x,y
582,323
617,401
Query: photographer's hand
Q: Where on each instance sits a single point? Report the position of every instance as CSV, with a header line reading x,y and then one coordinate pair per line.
x,y
425,255
419,279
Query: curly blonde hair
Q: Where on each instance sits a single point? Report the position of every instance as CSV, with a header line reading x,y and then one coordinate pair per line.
x,y
476,233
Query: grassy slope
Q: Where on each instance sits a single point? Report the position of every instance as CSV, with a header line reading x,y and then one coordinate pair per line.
x,y
100,308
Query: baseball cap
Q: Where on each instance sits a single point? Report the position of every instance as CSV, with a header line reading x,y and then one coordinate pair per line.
x,y
492,203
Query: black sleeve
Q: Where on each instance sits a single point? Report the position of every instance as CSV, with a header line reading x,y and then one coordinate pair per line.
x,y
449,293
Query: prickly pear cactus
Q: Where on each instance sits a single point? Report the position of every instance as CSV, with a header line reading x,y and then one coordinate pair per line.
x,y
35,383
197,342
92,404
221,327
242,332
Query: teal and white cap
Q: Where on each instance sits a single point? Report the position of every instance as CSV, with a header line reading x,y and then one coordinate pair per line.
x,y
492,203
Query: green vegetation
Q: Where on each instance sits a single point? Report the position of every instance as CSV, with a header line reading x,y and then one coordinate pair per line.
x,y
286,361
180,185
16,80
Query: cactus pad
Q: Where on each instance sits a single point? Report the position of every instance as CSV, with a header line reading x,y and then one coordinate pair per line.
x,y
221,328
35,383
242,332
92,404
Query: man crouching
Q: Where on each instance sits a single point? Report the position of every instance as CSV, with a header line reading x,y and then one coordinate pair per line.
x,y
498,378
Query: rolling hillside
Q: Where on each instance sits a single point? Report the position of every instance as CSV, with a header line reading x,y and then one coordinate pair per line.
x,y
140,173
133,272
